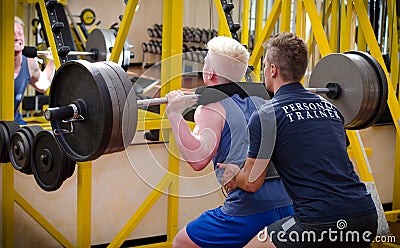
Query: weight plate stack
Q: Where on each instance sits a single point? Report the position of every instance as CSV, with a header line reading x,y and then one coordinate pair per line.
x,y
380,98
21,148
109,122
363,86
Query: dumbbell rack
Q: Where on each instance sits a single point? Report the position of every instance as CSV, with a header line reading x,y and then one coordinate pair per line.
x,y
152,55
84,169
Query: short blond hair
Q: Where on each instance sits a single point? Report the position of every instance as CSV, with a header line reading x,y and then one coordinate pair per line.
x,y
19,21
229,47
229,58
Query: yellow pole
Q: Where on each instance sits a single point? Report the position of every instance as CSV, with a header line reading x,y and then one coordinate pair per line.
x,y
300,20
49,32
84,203
20,9
349,34
317,28
123,30
166,50
266,32
141,212
258,34
343,29
396,174
375,52
223,28
394,45
41,220
7,113
286,12
361,43
244,39
177,8
394,69
333,36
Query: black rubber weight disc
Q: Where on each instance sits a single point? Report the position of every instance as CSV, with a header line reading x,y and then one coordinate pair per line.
x,y
130,112
89,138
101,40
357,92
382,88
21,147
7,129
49,163
117,95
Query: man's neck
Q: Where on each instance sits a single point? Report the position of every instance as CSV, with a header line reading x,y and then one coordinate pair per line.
x,y
278,85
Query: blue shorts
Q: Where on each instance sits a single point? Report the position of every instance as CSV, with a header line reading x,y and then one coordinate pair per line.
x,y
215,229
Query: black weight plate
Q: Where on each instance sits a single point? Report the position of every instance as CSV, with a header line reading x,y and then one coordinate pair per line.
x,y
19,151
121,95
7,129
342,69
70,168
370,91
130,112
116,116
21,147
101,40
381,84
126,82
49,163
75,80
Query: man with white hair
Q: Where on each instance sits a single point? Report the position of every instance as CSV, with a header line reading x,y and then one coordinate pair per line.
x,y
27,71
220,135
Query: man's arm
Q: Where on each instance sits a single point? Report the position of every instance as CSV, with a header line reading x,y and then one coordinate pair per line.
x,y
250,178
197,147
40,80
262,140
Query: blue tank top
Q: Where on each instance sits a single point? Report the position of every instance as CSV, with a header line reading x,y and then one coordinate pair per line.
x,y
20,84
238,202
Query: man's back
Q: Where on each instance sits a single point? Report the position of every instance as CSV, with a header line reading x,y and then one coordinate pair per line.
x,y
310,154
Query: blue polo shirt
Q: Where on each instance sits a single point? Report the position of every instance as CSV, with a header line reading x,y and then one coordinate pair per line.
x,y
304,136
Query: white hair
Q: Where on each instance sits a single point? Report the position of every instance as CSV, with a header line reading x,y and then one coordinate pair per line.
x,y
228,58
19,21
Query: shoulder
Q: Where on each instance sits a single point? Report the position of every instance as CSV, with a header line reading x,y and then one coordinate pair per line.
x,y
214,108
33,65
210,113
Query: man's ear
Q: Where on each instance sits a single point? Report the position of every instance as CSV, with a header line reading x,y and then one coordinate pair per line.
x,y
274,70
211,74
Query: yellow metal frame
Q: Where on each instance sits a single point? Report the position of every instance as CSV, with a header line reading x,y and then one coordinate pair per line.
x,y
244,38
7,113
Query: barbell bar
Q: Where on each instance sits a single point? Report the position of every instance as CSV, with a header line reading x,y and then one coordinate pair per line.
x,y
32,52
99,45
93,110
76,110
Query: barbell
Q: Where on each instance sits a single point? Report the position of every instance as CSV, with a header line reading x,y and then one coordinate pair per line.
x,y
93,110
32,52
99,45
